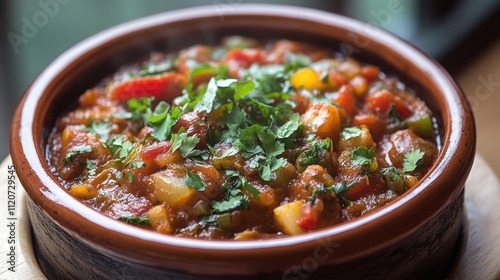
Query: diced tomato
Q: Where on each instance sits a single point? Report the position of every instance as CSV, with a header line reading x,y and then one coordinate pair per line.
x,y
237,59
193,124
346,99
149,153
374,123
381,100
370,72
301,101
309,217
165,87
335,80
365,185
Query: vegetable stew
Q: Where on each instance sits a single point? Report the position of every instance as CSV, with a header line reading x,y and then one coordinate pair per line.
x,y
244,140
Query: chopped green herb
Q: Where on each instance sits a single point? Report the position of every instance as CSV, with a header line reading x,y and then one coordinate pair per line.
x,y
412,160
341,190
74,152
195,182
118,146
207,102
92,169
351,132
138,221
185,144
362,155
234,202
100,128
158,69
396,118
137,164
394,178
314,153
130,177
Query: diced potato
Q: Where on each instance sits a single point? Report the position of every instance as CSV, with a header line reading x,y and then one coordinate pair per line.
x,y
159,219
165,159
83,191
171,188
306,78
347,141
323,120
287,216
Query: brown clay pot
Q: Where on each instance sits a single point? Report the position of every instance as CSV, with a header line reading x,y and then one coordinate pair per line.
x,y
411,238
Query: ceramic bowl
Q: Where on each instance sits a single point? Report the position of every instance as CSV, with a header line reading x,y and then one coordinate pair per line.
x,y
412,237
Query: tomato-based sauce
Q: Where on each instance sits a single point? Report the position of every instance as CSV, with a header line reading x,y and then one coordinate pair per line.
x,y
244,140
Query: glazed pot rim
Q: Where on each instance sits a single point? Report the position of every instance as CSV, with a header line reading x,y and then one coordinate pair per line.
x,y
457,116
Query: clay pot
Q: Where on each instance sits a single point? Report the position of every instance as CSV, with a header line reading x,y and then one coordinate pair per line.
x,y
412,237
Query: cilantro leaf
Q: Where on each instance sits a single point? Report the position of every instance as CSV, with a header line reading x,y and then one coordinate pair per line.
x,y
412,160
158,69
251,189
207,102
234,202
351,132
100,128
289,128
341,190
314,153
78,150
91,167
362,155
130,177
195,182
243,89
163,129
185,144
137,164
396,118
138,221
118,146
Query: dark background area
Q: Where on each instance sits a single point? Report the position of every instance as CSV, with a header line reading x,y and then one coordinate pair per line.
x,y
33,33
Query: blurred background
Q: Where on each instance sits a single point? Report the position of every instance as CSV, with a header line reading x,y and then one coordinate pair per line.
x,y
463,35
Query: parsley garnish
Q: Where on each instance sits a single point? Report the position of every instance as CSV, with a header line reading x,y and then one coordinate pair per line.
x,y
234,202
158,69
341,190
100,128
120,147
195,182
163,120
351,132
362,155
396,118
234,197
185,144
262,147
313,154
79,150
91,167
412,160
138,221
